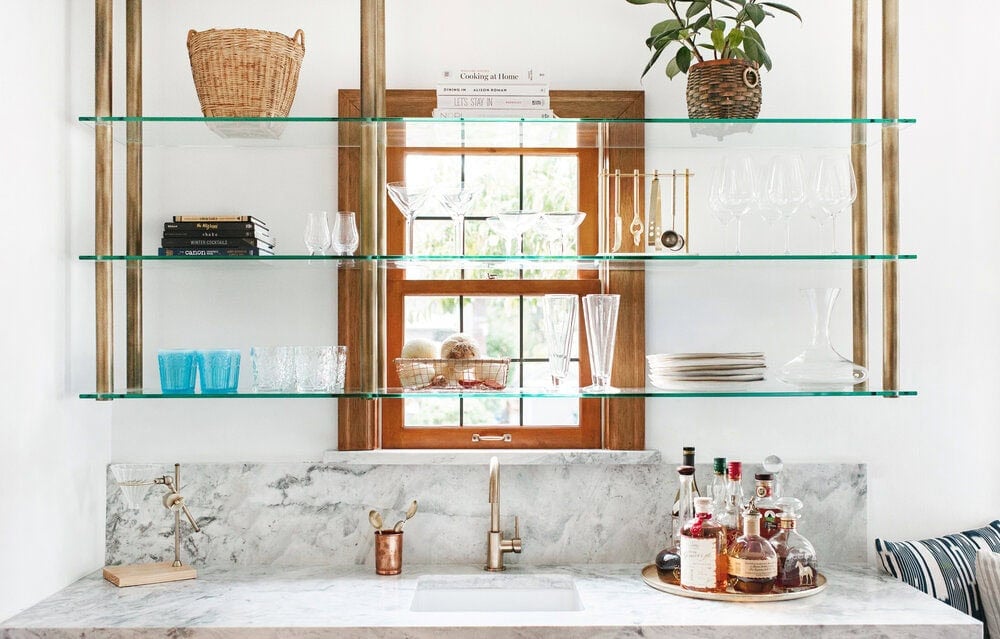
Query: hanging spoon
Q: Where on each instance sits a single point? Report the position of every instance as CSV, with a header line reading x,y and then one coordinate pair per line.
x,y
636,226
616,246
410,512
671,239
376,519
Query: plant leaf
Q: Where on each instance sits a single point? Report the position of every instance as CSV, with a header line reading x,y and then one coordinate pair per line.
x,y
672,68
700,23
718,39
752,34
664,39
726,3
735,38
696,7
738,54
652,61
683,59
755,13
781,7
719,24
757,53
646,1
666,25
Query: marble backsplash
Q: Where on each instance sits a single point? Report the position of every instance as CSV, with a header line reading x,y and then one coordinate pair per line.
x,y
586,508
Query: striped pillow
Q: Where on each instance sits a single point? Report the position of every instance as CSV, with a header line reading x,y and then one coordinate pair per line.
x,y
944,567
988,577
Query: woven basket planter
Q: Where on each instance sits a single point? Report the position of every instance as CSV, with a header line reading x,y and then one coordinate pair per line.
x,y
245,73
727,88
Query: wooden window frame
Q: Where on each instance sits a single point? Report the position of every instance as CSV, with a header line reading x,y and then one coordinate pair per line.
x,y
622,420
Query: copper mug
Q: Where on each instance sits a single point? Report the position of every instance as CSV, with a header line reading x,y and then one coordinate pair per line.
x,y
388,552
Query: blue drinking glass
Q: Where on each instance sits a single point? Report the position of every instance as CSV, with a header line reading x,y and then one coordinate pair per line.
x,y
177,370
219,369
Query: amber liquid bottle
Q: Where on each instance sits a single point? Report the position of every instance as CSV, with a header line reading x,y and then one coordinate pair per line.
x,y
704,564
753,564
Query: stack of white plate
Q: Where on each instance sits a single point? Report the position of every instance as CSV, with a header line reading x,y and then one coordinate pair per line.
x,y
704,371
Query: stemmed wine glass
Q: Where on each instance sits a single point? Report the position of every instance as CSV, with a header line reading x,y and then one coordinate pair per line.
x,y
559,224
345,233
784,190
317,233
722,212
834,188
512,225
737,190
457,200
409,200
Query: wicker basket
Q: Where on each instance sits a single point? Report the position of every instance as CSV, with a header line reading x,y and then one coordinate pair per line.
x,y
245,73
726,88
467,374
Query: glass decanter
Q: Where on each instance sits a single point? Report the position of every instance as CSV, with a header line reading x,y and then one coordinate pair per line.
x,y
796,556
819,366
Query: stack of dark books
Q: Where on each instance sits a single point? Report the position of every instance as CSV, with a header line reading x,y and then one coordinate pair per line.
x,y
214,235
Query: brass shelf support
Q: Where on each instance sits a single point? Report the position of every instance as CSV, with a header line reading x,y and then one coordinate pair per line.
x,y
103,197
890,194
133,187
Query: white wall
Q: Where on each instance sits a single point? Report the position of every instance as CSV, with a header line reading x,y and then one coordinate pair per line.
x,y
940,442
53,446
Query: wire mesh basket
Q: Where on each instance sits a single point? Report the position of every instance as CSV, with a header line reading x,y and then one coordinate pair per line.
x,y
439,374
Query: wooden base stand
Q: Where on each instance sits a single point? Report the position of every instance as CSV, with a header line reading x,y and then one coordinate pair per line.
x,y
142,574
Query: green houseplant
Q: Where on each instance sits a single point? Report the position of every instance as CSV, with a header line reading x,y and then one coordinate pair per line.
x,y
717,44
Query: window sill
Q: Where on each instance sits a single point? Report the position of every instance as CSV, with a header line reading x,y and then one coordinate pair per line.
x,y
482,457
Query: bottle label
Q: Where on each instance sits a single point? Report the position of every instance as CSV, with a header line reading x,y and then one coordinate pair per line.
x,y
698,557
751,568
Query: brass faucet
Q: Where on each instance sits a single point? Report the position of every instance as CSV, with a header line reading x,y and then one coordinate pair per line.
x,y
496,545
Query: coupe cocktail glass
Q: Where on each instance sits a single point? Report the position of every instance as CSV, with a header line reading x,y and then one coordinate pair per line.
x,y
512,225
559,224
457,200
409,200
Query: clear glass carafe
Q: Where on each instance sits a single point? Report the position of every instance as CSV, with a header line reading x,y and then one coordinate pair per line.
x,y
820,366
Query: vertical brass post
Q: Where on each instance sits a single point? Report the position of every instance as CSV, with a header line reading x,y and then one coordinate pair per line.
x,y
103,169
372,196
859,158
890,194
133,187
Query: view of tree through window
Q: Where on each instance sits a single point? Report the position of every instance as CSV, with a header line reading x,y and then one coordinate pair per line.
x,y
505,326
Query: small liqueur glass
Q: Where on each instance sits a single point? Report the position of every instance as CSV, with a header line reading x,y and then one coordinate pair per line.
x,y
345,233
559,317
600,315
409,200
317,233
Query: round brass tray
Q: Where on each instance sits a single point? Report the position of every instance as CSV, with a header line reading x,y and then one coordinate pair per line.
x,y
652,578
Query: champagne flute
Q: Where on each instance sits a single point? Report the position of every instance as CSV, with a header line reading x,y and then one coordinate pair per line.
x,y
345,233
834,188
317,233
559,319
785,189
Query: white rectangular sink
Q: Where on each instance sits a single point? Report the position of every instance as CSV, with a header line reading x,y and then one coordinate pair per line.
x,y
496,593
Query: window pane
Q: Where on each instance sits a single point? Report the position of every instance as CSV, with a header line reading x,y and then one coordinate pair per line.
x,y
432,411
495,324
545,412
433,318
550,182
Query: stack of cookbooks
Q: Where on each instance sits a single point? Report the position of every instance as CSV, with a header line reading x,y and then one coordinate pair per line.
x,y
216,235
486,93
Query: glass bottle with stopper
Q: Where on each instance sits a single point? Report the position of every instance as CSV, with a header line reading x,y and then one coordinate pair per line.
x,y
797,565
730,517
717,489
668,560
704,564
753,564
764,499
773,464
677,520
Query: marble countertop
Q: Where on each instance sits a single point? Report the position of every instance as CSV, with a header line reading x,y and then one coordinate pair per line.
x,y
354,602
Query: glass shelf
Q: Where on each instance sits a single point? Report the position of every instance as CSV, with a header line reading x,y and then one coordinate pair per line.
x,y
331,132
618,260
764,390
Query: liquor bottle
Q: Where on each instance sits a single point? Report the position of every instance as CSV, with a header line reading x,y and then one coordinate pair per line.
x,y
677,520
704,564
765,503
753,564
730,518
717,489
668,560
796,556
